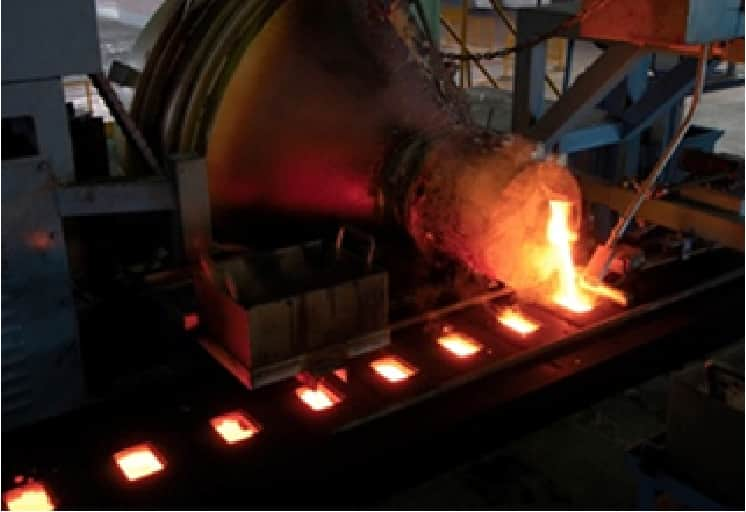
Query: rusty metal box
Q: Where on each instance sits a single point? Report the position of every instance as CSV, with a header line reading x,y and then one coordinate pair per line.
x,y
664,23
272,315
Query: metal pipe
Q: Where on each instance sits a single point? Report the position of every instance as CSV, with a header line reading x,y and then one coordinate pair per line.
x,y
465,78
599,262
566,75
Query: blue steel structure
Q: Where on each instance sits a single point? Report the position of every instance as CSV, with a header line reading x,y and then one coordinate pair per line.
x,y
615,119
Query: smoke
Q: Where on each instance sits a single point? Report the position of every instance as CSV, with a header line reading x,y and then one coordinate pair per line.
x,y
486,203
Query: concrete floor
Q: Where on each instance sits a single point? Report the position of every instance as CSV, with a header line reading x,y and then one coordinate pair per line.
x,y
575,463
724,109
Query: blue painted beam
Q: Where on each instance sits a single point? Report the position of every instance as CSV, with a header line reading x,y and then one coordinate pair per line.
x,y
530,68
571,110
660,97
590,137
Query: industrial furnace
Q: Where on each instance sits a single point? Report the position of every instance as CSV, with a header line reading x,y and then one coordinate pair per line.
x,y
310,262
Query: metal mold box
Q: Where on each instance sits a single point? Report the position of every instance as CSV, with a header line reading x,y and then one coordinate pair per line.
x,y
272,315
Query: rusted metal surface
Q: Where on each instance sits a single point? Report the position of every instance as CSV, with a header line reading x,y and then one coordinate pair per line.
x,y
673,22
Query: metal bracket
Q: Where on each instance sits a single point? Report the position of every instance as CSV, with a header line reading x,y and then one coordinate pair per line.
x,y
585,93
192,193
370,239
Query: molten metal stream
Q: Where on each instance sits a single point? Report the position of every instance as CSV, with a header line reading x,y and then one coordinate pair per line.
x,y
603,290
569,294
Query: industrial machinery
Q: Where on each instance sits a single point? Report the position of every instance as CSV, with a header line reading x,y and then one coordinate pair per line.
x,y
310,259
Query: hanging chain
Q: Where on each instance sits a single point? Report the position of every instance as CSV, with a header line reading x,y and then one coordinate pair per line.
x,y
502,52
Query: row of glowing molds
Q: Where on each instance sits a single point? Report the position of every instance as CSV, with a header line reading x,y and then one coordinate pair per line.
x,y
143,460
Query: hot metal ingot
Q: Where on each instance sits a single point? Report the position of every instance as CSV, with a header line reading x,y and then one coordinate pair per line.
x,y
270,316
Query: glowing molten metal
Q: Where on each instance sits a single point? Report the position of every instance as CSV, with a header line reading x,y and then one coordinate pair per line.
x,y
234,427
459,344
318,399
603,290
31,496
568,294
517,321
139,461
392,369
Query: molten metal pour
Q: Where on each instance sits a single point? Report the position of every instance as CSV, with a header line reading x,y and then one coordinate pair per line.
x,y
568,293
573,292
505,215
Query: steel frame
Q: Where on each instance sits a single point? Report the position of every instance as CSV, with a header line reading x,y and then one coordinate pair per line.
x,y
600,120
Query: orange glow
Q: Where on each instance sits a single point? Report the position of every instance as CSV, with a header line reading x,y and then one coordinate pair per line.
x,y
318,399
139,461
459,344
341,374
234,427
604,290
561,238
517,321
40,240
31,496
191,321
392,369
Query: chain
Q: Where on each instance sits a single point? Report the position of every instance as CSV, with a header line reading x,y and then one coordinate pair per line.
x,y
502,52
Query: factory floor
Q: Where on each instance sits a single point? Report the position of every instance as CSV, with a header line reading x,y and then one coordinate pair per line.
x,y
577,462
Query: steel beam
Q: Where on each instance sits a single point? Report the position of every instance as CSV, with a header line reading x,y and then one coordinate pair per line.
x,y
660,97
530,69
710,224
597,135
194,205
116,197
585,93
431,10
722,200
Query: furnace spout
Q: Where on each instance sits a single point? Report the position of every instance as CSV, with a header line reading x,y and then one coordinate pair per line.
x,y
485,202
